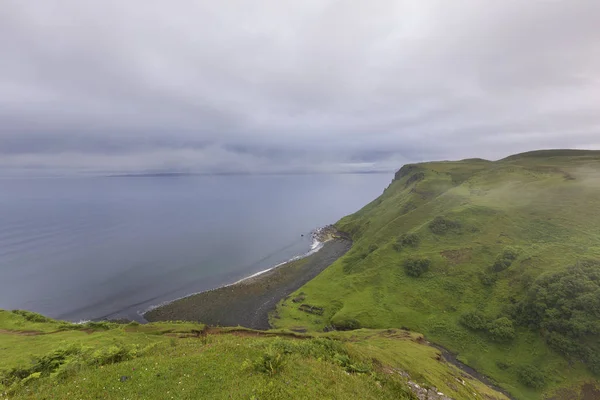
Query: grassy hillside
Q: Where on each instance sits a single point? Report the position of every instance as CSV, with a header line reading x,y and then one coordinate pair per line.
x,y
496,261
45,359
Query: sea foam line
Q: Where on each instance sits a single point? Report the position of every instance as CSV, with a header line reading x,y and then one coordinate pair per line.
x,y
315,247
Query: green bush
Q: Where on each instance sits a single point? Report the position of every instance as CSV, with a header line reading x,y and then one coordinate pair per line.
x,y
270,362
441,226
502,365
407,240
510,254
41,366
275,357
531,377
350,365
346,324
416,267
501,265
501,330
474,320
504,260
113,354
99,325
488,279
32,316
566,305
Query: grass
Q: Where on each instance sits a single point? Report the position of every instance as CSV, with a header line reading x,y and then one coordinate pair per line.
x,y
489,229
480,234
58,360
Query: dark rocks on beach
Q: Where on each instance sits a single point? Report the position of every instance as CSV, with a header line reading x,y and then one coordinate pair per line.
x,y
248,303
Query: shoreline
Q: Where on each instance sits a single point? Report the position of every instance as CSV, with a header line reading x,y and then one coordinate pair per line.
x,y
248,301
320,237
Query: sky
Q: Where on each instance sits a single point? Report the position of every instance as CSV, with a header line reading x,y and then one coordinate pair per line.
x,y
111,86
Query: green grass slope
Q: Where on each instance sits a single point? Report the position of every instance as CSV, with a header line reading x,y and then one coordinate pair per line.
x,y
46,359
496,261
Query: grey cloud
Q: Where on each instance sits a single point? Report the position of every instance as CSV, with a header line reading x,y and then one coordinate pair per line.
x,y
287,86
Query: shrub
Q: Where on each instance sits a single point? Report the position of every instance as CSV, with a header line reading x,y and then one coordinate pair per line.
x,y
567,305
510,254
416,267
372,248
504,260
501,330
488,279
407,240
346,324
40,367
99,325
270,362
351,366
441,226
112,355
501,265
32,316
474,320
531,377
408,207
502,365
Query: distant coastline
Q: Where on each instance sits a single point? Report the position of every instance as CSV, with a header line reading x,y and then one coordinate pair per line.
x,y
238,173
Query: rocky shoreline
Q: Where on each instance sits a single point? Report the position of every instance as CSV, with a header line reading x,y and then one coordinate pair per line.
x,y
247,303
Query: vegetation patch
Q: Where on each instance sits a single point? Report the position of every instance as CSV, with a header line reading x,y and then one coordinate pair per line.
x,y
416,267
499,330
345,324
474,320
504,260
63,362
565,305
443,226
32,316
281,352
531,377
405,240
456,257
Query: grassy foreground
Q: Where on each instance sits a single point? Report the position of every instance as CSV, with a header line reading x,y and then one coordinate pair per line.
x,y
47,359
496,261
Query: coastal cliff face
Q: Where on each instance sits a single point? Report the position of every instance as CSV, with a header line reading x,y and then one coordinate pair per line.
x,y
479,256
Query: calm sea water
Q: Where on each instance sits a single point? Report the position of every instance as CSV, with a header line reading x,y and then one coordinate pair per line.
x,y
88,248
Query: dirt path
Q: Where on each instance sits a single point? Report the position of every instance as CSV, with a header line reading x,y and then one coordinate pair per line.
x,y
21,333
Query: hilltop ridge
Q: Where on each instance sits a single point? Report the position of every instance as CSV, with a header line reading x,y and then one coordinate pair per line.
x,y
479,255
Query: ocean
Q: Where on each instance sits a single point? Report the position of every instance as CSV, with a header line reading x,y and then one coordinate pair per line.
x,y
89,248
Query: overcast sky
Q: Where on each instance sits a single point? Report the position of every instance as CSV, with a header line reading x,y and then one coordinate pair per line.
x,y
102,86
